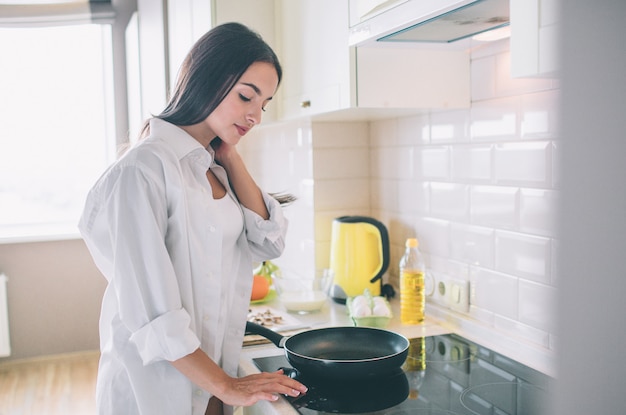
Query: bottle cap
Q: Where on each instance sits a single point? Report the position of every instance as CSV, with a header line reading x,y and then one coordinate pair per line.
x,y
411,243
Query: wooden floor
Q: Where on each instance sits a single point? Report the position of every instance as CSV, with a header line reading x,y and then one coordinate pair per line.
x,y
56,385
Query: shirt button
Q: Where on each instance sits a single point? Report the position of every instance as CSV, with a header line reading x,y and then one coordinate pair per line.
x,y
198,392
206,317
212,229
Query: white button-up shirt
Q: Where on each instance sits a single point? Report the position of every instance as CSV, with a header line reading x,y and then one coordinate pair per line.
x,y
154,231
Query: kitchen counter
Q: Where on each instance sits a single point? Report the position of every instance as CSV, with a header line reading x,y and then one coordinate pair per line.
x,y
331,315
438,321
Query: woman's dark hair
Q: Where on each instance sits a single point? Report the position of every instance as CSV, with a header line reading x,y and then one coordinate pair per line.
x,y
211,69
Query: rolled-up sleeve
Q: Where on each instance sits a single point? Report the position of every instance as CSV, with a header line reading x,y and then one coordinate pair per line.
x,y
267,237
166,337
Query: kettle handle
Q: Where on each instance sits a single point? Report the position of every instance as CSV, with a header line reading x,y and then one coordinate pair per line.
x,y
384,240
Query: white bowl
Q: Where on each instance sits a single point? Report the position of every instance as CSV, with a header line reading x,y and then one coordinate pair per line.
x,y
303,292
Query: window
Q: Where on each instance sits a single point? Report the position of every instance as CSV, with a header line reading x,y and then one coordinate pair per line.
x,y
56,128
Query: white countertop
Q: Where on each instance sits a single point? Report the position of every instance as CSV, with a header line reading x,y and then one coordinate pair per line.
x,y
437,322
332,314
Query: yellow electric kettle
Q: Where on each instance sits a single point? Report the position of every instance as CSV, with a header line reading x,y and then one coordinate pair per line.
x,y
359,256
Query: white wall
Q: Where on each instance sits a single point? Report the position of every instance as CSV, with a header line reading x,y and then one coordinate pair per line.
x,y
54,295
478,187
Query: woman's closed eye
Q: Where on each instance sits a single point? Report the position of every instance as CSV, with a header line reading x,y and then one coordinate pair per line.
x,y
246,99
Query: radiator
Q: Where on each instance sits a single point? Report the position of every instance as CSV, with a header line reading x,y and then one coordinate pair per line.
x,y
5,344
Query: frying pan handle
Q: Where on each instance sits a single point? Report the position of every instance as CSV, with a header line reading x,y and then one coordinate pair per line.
x,y
271,335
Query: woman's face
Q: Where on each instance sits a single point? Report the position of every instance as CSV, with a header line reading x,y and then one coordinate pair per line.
x,y
241,109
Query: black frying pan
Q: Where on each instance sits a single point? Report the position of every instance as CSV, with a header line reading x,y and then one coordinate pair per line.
x,y
340,352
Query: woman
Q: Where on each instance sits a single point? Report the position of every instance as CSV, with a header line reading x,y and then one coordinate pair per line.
x,y
175,225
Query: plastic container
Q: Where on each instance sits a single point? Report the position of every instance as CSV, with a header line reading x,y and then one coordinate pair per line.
x,y
412,284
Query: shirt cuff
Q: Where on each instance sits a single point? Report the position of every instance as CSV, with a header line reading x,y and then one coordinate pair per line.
x,y
168,337
258,229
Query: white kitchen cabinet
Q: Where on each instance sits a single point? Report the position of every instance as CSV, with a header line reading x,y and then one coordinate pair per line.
x,y
324,75
188,20
534,38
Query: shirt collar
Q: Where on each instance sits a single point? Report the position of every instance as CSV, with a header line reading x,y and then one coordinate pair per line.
x,y
178,139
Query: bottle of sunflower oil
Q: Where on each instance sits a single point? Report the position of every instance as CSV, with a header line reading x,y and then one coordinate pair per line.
x,y
412,292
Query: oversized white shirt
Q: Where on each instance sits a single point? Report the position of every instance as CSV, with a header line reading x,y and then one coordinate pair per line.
x,y
155,232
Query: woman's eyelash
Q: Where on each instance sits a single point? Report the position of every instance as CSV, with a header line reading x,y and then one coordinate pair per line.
x,y
246,99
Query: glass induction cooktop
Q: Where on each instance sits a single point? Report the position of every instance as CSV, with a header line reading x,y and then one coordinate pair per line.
x,y
443,375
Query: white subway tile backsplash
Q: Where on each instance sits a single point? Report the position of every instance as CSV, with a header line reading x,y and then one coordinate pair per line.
x,y
472,163
537,305
433,163
495,120
342,194
413,130
525,164
385,133
540,115
329,163
449,126
384,194
413,197
472,245
433,236
523,255
494,292
393,163
537,211
300,164
483,76
495,206
449,201
340,134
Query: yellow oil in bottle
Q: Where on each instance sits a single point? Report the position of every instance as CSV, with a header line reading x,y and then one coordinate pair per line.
x,y
412,296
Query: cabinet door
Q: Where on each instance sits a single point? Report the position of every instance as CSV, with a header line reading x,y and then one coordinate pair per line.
x,y
324,74
315,56
534,34
409,78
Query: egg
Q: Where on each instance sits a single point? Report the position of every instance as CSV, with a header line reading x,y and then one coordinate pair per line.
x,y
360,300
381,310
362,310
379,300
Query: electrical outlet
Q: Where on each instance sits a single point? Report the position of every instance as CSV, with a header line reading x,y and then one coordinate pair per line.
x,y
458,295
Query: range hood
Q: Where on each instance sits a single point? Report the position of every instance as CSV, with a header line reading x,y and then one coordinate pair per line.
x,y
425,21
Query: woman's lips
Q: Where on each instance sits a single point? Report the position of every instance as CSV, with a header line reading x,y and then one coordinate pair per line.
x,y
242,130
